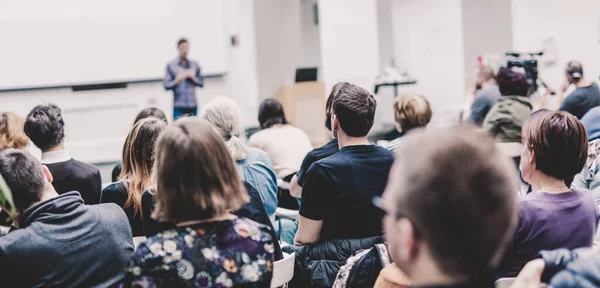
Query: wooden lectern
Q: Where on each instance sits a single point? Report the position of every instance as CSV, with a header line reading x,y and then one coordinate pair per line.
x,y
304,107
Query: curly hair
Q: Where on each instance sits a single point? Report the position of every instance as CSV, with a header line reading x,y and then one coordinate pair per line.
x,y
45,127
11,131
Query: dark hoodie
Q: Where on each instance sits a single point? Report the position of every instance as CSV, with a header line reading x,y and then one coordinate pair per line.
x,y
64,243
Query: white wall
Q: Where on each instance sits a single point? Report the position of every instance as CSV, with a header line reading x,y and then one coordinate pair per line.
x,y
575,27
278,43
98,121
349,42
428,44
310,51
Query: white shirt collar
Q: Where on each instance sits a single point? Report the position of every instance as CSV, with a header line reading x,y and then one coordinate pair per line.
x,y
57,156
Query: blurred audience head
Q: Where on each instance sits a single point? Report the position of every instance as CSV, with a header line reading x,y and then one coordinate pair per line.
x,y
25,176
182,47
197,178
512,82
334,91
225,116
353,111
271,113
485,74
555,144
12,133
450,203
411,111
45,126
151,112
138,159
574,72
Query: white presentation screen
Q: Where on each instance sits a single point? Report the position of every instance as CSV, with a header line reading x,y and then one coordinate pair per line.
x,y
70,42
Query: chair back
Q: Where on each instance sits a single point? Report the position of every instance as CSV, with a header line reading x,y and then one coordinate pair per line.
x,y
283,270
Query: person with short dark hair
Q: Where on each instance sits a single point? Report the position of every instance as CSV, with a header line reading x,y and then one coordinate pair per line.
x,y
585,97
57,241
486,96
138,160
505,119
318,153
552,216
183,76
450,208
46,128
411,111
337,191
197,187
287,145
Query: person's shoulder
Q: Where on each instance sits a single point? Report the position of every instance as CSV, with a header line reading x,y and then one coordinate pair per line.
x,y
84,167
109,212
386,153
252,227
115,188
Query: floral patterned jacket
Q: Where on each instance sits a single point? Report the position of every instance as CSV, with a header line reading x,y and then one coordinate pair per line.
x,y
232,253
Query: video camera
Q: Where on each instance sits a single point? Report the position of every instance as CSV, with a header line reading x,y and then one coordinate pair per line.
x,y
529,63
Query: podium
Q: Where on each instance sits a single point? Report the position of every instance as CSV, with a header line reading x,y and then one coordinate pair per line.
x,y
304,107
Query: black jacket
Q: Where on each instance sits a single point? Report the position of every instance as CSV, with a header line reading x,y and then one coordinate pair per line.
x,y
576,268
117,193
318,265
73,175
63,243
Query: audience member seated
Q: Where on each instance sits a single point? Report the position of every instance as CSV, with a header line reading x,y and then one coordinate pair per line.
x,y
336,213
552,216
451,208
287,145
410,111
57,241
317,153
591,122
46,128
197,186
589,177
505,119
486,96
150,112
11,131
252,164
138,160
585,97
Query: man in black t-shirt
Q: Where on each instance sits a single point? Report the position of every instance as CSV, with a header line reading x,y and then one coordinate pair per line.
x,y
585,97
317,154
338,190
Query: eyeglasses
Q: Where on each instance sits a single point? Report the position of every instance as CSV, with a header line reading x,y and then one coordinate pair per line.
x,y
385,207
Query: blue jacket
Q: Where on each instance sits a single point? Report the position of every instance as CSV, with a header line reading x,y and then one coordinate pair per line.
x,y
591,122
64,243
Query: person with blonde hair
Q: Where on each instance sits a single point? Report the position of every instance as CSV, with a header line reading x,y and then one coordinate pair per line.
x,y
411,111
253,164
197,187
12,134
138,160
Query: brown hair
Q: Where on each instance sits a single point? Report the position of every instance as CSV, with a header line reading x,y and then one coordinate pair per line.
x,y
334,92
138,160
412,111
12,133
559,143
459,174
197,178
355,110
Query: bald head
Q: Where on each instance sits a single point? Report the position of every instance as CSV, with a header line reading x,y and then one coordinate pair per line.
x,y
574,71
485,75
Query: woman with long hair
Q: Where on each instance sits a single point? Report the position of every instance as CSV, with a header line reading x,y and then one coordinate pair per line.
x,y
138,161
197,188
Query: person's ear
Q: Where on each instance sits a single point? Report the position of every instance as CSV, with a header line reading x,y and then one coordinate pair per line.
x,y
408,249
334,122
399,127
47,174
530,155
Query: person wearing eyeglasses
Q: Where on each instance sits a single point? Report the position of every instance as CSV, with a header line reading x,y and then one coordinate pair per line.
x,y
450,207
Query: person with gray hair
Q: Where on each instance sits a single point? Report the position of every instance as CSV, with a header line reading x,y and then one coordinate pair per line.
x,y
253,164
57,241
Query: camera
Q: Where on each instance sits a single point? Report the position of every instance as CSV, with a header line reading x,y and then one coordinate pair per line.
x,y
529,63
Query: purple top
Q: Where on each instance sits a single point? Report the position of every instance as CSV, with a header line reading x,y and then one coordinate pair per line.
x,y
548,222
